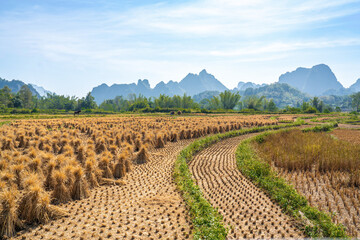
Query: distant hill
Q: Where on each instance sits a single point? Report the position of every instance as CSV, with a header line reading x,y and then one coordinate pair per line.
x,y
15,86
197,83
282,94
41,91
355,87
192,84
315,81
205,95
242,86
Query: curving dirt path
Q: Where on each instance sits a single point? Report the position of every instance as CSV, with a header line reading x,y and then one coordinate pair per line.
x,y
246,209
147,207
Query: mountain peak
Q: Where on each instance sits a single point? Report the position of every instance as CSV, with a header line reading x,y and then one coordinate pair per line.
x,y
144,83
203,72
321,65
194,84
314,81
356,86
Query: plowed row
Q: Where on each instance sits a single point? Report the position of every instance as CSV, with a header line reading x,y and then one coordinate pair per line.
x,y
147,207
46,163
245,208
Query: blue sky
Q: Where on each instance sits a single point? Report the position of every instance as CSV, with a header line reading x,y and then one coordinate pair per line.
x,y
70,46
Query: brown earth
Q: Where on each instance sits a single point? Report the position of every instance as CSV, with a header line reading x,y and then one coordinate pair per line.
x,y
332,191
329,192
248,211
147,207
352,136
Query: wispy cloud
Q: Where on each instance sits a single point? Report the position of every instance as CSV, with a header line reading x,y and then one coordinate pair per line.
x,y
114,33
168,34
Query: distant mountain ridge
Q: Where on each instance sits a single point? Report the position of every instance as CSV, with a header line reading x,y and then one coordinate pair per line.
x,y
41,91
242,86
282,94
355,87
300,84
315,81
192,84
15,86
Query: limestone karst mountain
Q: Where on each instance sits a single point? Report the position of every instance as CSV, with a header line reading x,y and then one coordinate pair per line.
x,y
314,81
192,84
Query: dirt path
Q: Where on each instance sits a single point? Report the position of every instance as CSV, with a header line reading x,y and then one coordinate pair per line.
x,y
348,126
147,207
246,209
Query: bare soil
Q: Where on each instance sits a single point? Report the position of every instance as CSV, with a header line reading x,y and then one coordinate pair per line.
x,y
248,211
352,136
148,206
330,192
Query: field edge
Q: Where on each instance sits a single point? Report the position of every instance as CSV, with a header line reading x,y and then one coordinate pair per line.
x,y
312,221
206,219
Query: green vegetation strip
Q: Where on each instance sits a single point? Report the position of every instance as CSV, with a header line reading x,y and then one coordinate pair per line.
x,y
4,122
207,221
312,221
322,128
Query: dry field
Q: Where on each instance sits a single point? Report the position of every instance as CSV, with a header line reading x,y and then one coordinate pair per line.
x,y
325,170
352,136
110,177
248,211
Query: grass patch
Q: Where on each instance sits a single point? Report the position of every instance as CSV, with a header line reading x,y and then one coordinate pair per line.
x,y
313,222
322,128
4,122
207,221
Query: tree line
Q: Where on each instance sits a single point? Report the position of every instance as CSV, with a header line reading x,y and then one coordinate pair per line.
x,y
227,100
24,99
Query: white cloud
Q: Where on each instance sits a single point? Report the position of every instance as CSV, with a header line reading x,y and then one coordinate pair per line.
x,y
156,39
160,28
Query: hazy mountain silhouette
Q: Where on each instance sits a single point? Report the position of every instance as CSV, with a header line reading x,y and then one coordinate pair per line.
x,y
192,84
355,87
282,94
15,86
242,86
41,91
315,81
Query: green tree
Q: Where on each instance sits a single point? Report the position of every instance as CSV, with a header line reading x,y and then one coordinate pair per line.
x,y
6,96
304,106
16,102
187,102
253,102
315,102
213,103
137,102
176,101
321,106
163,101
25,96
87,103
229,100
355,101
271,106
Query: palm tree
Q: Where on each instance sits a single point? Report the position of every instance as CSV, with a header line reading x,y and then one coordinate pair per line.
x,y
229,100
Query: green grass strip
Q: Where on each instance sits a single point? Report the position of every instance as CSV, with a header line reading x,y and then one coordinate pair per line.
x,y
205,218
4,122
322,128
313,222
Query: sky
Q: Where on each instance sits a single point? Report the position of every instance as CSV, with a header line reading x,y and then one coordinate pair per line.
x,y
71,46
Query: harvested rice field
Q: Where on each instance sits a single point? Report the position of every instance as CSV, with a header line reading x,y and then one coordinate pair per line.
x,y
93,178
350,135
323,169
247,211
147,206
